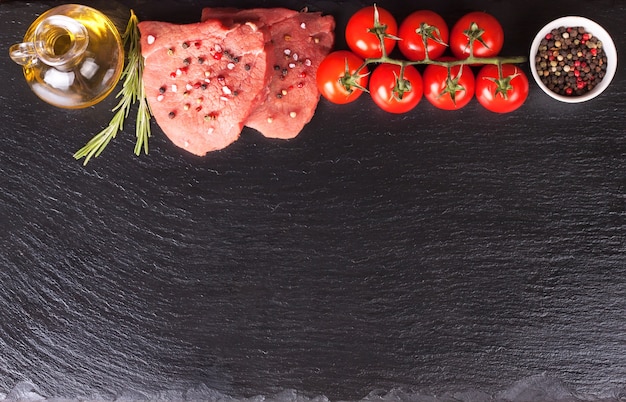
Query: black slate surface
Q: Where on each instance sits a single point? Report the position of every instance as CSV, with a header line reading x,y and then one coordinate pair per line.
x,y
435,251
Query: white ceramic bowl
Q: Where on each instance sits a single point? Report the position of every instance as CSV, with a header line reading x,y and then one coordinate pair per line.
x,y
597,31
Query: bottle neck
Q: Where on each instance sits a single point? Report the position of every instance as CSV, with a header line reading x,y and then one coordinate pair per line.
x,y
58,41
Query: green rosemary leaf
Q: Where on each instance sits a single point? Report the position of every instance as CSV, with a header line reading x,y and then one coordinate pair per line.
x,y
131,92
142,129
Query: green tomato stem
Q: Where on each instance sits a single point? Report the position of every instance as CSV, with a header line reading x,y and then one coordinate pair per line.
x,y
471,60
449,63
473,34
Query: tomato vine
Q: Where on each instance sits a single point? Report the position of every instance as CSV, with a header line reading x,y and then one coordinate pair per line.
x,y
475,40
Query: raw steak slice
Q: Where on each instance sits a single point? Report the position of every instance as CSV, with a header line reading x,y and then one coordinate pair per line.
x,y
299,42
202,80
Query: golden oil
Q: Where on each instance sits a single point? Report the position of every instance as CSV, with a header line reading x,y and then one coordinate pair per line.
x,y
72,56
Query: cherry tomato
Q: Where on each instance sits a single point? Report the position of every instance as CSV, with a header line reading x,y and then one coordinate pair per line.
x,y
448,91
482,29
501,95
337,79
360,29
393,93
432,26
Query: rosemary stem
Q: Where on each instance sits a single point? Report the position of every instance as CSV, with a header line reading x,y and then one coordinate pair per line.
x,y
132,91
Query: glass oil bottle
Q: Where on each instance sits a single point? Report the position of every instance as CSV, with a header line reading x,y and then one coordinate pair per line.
x,y
72,56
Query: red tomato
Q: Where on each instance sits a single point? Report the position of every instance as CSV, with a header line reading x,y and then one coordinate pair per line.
x,y
482,29
337,79
448,91
501,95
432,26
361,36
393,93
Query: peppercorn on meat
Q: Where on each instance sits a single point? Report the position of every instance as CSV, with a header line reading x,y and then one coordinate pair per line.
x,y
202,80
298,43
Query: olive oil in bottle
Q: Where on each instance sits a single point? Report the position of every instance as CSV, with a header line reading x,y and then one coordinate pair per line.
x,y
72,56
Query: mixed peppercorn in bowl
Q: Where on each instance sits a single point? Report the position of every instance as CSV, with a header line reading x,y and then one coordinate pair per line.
x,y
573,59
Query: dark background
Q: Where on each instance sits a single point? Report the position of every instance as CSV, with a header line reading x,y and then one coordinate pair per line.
x,y
435,250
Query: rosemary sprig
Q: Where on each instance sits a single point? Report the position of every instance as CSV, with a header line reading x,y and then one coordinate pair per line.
x,y
131,92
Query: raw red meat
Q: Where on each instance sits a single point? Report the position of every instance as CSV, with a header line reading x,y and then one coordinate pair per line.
x,y
202,80
298,43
